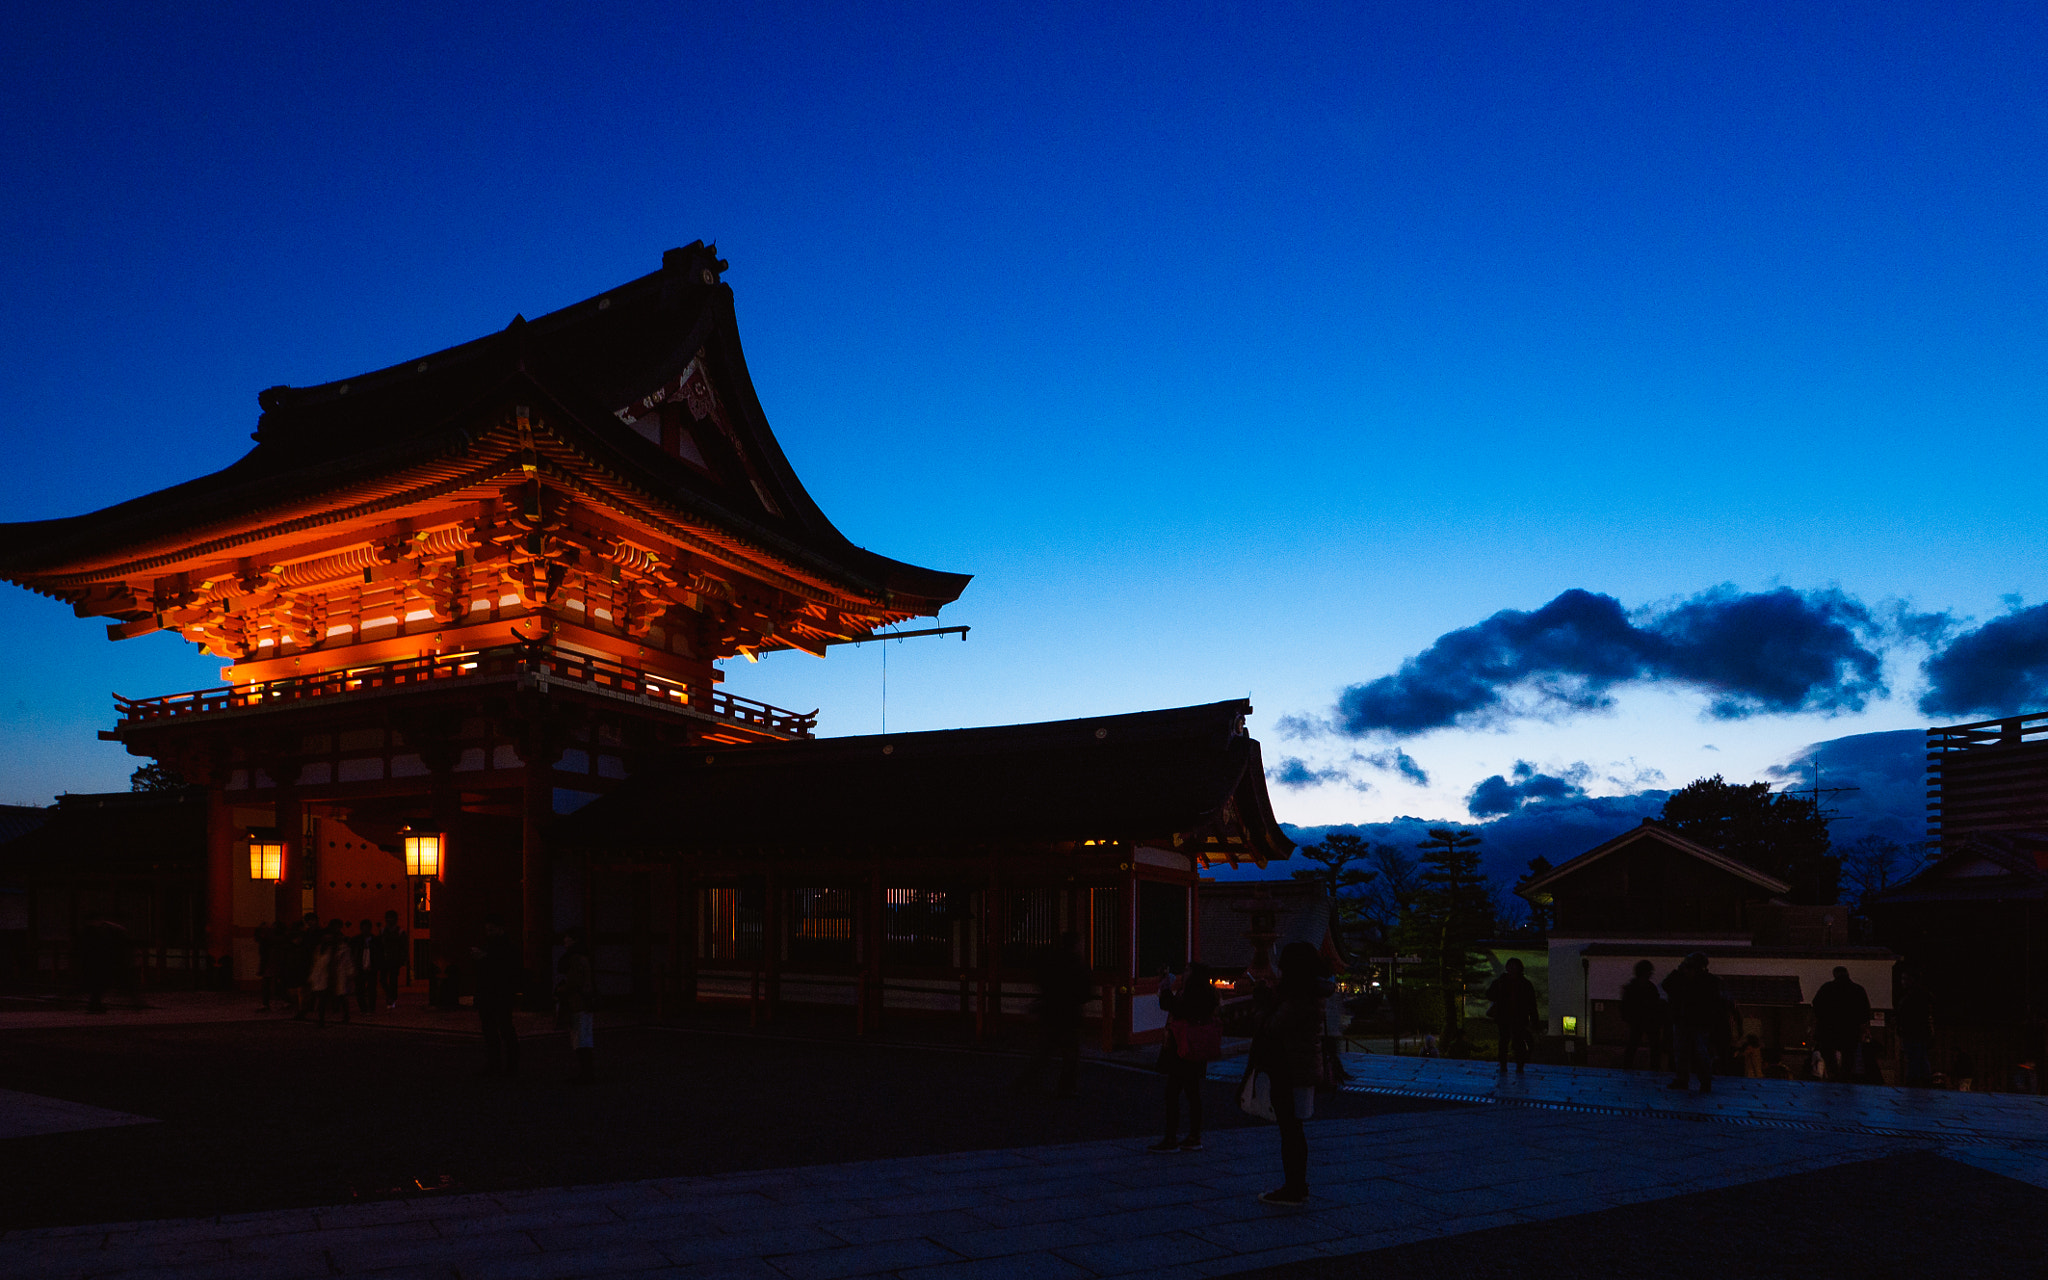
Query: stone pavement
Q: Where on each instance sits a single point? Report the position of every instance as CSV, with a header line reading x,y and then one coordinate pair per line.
x,y
26,1114
1997,1118
185,1008
1560,1145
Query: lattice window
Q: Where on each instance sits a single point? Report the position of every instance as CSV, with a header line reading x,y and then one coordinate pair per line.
x,y
1033,920
933,928
1106,929
820,927
729,925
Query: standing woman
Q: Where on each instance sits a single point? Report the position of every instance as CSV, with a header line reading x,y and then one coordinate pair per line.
x,y
1286,1046
579,1002
1193,1039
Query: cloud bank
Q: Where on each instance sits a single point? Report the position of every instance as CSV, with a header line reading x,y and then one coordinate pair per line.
x,y
1395,760
1296,773
1777,652
1752,653
1497,795
2001,668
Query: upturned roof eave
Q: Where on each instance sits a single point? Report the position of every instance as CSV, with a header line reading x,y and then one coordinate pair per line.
x,y
40,554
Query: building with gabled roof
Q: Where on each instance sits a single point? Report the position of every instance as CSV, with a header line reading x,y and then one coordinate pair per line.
x,y
930,871
1973,924
1651,894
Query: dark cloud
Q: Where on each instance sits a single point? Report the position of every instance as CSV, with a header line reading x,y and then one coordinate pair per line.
x,y
1764,652
2000,668
1497,795
1395,760
1888,770
1877,784
1293,771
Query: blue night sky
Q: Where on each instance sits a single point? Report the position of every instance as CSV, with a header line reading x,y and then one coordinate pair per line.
x,y
1664,390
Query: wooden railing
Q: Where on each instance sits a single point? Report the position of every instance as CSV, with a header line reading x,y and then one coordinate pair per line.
x,y
505,662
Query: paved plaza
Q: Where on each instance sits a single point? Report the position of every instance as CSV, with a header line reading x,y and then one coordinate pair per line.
x,y
1554,1144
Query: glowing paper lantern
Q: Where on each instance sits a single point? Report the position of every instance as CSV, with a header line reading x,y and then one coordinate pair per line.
x,y
266,859
423,854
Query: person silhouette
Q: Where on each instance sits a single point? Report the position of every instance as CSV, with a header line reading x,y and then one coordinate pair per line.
x,y
1513,1014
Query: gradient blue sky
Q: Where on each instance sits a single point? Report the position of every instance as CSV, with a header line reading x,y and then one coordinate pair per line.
x,y
1236,349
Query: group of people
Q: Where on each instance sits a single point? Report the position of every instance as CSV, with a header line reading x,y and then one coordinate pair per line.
x,y
1287,1059
500,978
1694,1010
316,970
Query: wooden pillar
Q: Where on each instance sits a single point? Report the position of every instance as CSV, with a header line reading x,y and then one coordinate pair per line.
x,y
993,910
536,870
298,860
874,911
220,876
686,929
771,942
1127,984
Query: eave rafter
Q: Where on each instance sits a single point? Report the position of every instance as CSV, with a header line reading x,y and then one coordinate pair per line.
x,y
530,516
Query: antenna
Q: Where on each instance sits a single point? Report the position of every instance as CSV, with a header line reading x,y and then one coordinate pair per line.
x,y
1816,791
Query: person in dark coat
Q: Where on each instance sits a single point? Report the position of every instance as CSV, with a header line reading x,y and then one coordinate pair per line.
x,y
1064,985
1642,1009
1285,1046
1698,1008
103,958
577,993
1513,1014
388,954
362,949
299,949
1841,1010
497,968
1192,1004
1914,1018
267,964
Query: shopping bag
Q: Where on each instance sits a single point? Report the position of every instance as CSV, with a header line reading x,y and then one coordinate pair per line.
x,y
1256,1096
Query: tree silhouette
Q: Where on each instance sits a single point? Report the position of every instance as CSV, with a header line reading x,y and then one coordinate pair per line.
x,y
1452,912
1339,871
1778,833
155,777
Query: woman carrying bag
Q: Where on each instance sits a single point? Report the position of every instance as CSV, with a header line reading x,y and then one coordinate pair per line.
x,y
1194,1039
1286,1049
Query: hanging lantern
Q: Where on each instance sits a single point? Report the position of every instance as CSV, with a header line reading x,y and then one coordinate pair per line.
x,y
423,854
266,858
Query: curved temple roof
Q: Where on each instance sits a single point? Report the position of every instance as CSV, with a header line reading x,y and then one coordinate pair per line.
x,y
585,369
1148,775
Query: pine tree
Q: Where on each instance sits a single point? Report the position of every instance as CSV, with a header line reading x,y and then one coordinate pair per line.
x,y
1452,913
154,776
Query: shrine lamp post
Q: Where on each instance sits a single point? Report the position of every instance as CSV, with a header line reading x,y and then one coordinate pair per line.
x,y
423,850
266,857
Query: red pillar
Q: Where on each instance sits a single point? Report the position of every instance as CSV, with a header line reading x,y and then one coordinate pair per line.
x,y
536,874
220,876
291,829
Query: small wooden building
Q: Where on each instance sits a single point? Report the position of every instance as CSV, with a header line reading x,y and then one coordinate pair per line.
x,y
1651,894
135,858
926,873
